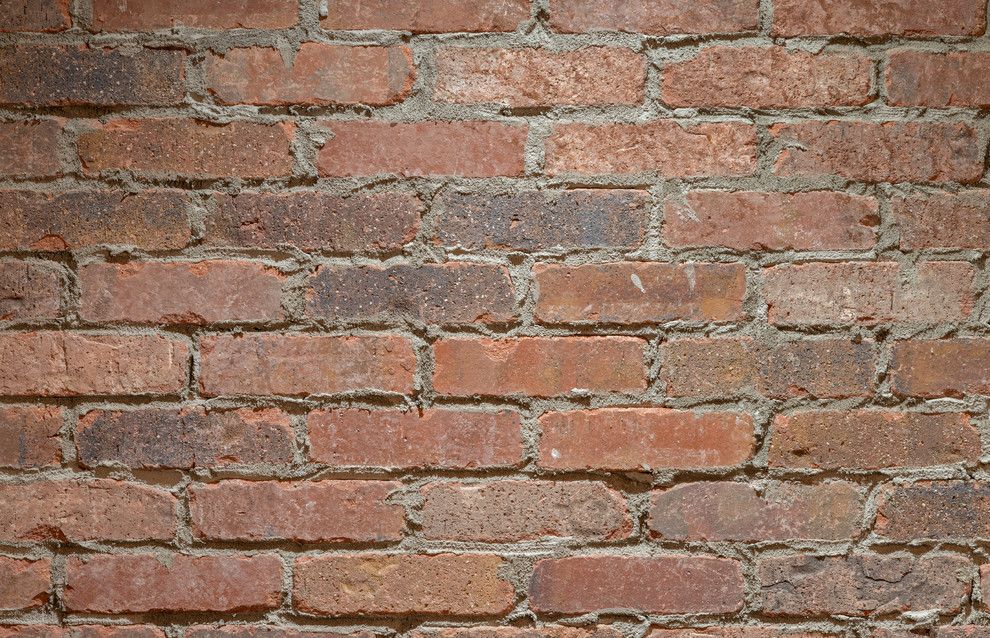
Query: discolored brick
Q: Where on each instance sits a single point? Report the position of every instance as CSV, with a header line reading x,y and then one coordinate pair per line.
x,y
111,15
29,436
654,17
29,291
937,220
35,15
24,584
936,368
936,510
869,18
434,16
29,148
938,80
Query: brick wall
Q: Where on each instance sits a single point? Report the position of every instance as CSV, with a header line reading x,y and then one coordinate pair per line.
x,y
494,318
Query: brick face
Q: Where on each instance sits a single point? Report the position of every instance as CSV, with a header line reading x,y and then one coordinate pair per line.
x,y
934,510
35,15
936,80
950,367
29,436
437,16
28,148
655,18
29,291
937,220
109,15
25,583
866,18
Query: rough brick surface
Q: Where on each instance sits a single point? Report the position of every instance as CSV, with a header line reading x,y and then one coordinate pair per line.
x,y
868,18
190,437
81,631
936,220
938,80
29,436
507,511
139,583
661,17
29,291
545,631
934,510
455,439
663,584
324,511
263,631
950,367
35,15
28,148
24,584
110,15
643,439
397,584
434,16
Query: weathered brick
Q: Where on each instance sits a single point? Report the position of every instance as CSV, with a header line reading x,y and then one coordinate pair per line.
x,y
140,583
111,15
436,16
465,149
537,220
869,18
29,148
934,510
938,79
767,78
871,439
442,584
938,368
961,631
299,365
634,292
749,631
508,511
28,291
453,439
724,367
81,631
79,75
535,77
35,15
664,146
727,511
643,439
654,17
181,292
191,437
861,585
985,584
35,220
29,436
313,221
937,220
320,74
175,147
24,584
748,220
867,293
880,151
545,631
82,511
322,511
66,364
434,293
540,367
265,631
668,584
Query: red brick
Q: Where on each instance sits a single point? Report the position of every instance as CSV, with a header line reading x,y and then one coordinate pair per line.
x,y
84,511
437,585
81,631
862,585
174,147
868,293
663,146
321,74
581,218
313,221
870,18
433,293
654,17
55,364
24,584
111,15
187,438
322,511
78,75
937,368
435,16
985,585
880,151
464,149
35,15
871,439
29,436
643,439
535,77
751,631
748,220
635,292
767,78
725,367
265,631
669,584
299,365
737,512
452,439
543,631
28,148
938,80
934,510
937,220
541,367
181,292
29,291
39,221
140,583
508,511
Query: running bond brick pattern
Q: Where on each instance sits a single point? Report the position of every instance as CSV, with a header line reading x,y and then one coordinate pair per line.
x,y
494,319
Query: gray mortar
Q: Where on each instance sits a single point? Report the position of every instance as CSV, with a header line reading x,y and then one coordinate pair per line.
x,y
296,265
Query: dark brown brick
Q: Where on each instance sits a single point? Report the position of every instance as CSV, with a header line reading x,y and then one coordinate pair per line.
x,y
111,15
654,17
937,220
187,438
28,149
24,584
434,293
35,15
937,510
870,18
29,436
437,16
938,368
29,291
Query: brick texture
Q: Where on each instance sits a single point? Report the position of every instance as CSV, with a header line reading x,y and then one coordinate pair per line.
x,y
28,148
109,15
35,15
436,16
29,436
29,291
942,220
934,510
928,79
25,583
950,367
866,18
655,18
